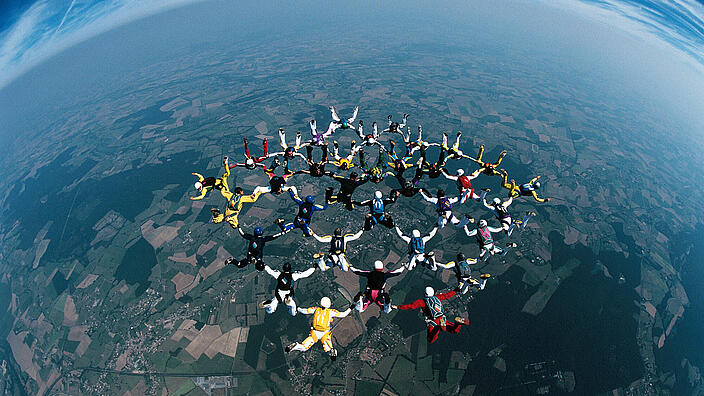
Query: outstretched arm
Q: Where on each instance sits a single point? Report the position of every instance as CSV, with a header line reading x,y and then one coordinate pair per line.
x,y
352,237
447,175
449,265
495,229
420,303
468,232
486,205
359,272
397,271
274,274
431,235
400,234
326,238
445,296
304,274
294,197
306,311
203,191
318,207
336,314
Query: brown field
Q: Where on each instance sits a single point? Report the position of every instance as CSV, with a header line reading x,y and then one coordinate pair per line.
x,y
70,314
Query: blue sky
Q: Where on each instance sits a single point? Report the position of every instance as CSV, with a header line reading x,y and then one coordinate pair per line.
x,y
34,31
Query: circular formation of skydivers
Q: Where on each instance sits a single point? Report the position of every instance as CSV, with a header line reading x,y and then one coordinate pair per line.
x,y
390,163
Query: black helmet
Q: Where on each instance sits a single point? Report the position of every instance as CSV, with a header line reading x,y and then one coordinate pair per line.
x,y
353,175
460,257
338,231
441,193
287,267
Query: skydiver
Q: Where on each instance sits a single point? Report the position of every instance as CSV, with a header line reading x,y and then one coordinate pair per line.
x,y
347,187
464,185
487,168
416,249
336,253
318,138
375,291
377,210
463,272
433,170
316,169
207,184
435,318
255,249
486,241
234,206
453,152
341,123
305,212
252,162
376,173
344,163
443,206
289,151
395,127
409,188
320,328
277,184
284,292
529,189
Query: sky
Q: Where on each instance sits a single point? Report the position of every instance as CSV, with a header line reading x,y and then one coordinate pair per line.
x,y
667,37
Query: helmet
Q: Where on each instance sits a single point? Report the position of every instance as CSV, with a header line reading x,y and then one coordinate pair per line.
x,y
482,223
536,184
497,201
310,199
249,162
325,302
198,186
353,175
429,291
378,194
416,234
258,231
441,193
287,267
344,124
378,265
338,231
460,172
460,257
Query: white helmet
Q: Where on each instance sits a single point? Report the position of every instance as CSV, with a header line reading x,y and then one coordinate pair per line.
x,y
198,186
416,234
460,172
429,291
497,201
378,265
482,223
325,302
249,162
378,194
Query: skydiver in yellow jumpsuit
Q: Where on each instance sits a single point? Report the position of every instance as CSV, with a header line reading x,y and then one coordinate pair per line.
x,y
523,190
234,206
488,168
206,184
320,329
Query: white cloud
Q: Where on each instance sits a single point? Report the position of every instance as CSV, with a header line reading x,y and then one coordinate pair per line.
x,y
44,30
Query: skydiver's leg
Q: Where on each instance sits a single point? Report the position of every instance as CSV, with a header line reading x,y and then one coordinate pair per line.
x,y
485,253
359,302
430,262
442,221
354,115
308,342
217,216
386,302
272,305
336,151
342,262
320,262
444,140
282,139
480,153
456,146
404,121
265,147
232,220
433,332
333,113
326,340
464,286
325,154
309,153
501,157
291,305
298,140
306,229
452,327
246,148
